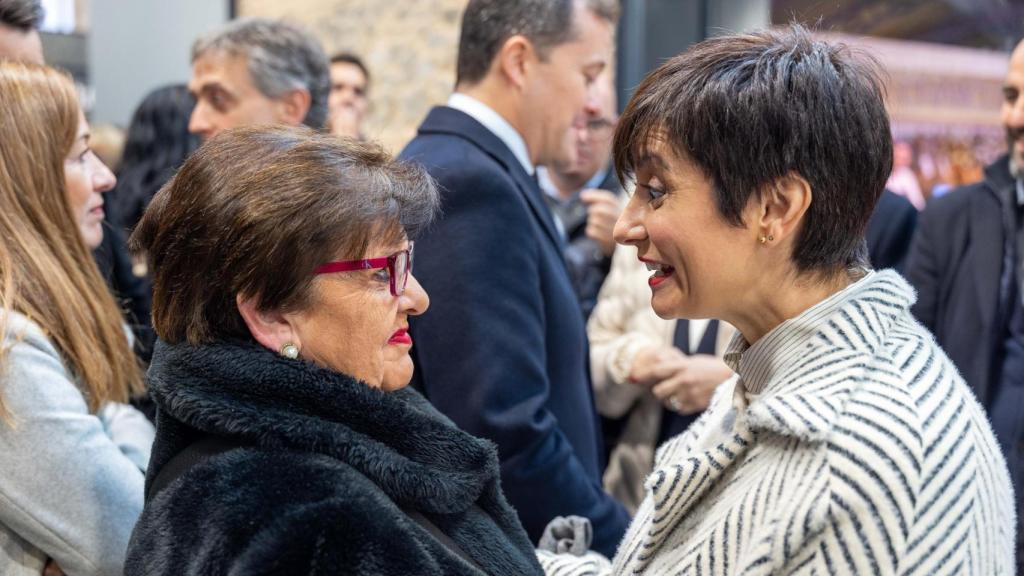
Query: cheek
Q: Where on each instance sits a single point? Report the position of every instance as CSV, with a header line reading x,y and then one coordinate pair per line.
x,y
78,190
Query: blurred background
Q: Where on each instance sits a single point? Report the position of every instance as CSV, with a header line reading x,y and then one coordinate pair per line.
x,y
945,59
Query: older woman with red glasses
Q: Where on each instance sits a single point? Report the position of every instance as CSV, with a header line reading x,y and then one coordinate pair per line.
x,y
287,442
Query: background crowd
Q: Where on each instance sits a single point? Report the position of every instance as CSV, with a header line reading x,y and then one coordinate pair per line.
x,y
193,349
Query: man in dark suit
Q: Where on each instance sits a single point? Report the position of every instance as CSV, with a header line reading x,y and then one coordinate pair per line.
x,y
503,351
890,231
965,262
585,197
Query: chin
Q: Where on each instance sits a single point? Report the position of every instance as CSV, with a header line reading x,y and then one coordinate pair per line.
x,y
93,236
397,374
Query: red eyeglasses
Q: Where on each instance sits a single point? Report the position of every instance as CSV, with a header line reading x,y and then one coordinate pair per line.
x,y
399,266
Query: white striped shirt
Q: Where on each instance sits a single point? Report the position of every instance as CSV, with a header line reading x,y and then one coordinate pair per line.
x,y
849,445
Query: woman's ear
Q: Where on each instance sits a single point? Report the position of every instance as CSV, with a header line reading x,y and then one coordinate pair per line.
x,y
783,206
272,329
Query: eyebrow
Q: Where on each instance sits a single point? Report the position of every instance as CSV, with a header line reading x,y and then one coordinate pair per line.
x,y
209,87
652,158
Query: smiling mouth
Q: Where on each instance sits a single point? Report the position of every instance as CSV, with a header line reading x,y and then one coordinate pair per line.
x,y
661,273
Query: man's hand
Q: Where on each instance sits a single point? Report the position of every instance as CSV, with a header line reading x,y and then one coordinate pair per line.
x,y
603,209
693,384
345,121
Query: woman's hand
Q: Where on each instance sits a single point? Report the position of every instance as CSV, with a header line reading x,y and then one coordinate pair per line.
x,y
655,364
689,389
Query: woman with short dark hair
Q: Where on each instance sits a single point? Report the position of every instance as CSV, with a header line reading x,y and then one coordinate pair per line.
x,y
847,443
287,442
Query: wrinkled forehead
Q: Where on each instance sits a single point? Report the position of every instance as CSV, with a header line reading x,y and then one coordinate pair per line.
x,y
229,69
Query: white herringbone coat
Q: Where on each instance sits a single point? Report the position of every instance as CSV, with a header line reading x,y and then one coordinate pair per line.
x,y
848,444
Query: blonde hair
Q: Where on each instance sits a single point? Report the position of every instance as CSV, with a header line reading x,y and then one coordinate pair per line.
x,y
46,271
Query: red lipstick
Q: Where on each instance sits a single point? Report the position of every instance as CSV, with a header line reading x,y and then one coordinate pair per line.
x,y
401,337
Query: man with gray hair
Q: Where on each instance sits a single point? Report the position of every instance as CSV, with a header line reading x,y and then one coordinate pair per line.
x,y
258,71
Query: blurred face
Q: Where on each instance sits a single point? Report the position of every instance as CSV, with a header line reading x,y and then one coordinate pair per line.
x,y
18,45
701,266
561,92
348,100
593,140
226,96
357,327
86,178
1012,112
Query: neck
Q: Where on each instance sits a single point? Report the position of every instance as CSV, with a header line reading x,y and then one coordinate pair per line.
x,y
775,301
502,98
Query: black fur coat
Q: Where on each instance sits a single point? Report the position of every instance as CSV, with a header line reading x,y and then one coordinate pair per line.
x,y
327,463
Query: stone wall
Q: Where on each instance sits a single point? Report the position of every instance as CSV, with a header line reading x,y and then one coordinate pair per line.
x,y
408,45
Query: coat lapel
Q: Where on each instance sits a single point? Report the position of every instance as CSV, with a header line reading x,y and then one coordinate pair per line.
x,y
987,239
445,120
675,487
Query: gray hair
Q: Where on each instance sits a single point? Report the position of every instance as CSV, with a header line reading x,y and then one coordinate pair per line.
x,y
281,57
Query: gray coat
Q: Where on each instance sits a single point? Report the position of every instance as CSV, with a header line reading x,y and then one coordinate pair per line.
x,y
72,482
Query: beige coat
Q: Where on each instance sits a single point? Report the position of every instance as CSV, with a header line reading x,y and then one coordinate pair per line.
x,y
622,324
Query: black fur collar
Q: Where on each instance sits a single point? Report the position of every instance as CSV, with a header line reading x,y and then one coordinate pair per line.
x,y
396,439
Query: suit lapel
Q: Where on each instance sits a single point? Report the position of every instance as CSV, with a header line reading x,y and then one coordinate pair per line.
x,y
445,120
987,245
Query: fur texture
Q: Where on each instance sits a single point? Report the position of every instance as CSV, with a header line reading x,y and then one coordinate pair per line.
x,y
327,465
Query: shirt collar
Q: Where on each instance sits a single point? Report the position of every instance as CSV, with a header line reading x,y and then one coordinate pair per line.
x,y
803,372
757,364
497,125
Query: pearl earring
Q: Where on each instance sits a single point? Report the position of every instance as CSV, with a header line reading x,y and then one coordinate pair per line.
x,y
762,239
290,350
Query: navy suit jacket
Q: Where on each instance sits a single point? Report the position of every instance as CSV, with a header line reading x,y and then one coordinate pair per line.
x,y
502,351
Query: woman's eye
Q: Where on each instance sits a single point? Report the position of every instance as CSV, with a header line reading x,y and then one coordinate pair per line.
x,y
655,194
382,275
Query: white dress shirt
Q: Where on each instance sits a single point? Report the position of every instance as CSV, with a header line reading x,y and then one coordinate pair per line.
x,y
497,125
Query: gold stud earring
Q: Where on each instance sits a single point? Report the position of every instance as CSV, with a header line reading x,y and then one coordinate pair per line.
x,y
771,238
290,350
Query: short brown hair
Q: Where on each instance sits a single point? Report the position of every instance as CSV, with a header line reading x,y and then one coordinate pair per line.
x,y
750,109
255,210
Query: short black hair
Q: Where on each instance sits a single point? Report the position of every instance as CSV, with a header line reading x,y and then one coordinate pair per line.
x,y
750,109
25,15
350,58
487,24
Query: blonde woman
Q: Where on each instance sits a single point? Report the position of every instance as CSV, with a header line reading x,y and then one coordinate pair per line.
x,y
72,454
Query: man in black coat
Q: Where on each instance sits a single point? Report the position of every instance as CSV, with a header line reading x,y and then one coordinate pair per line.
x,y
965,262
503,350
890,231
